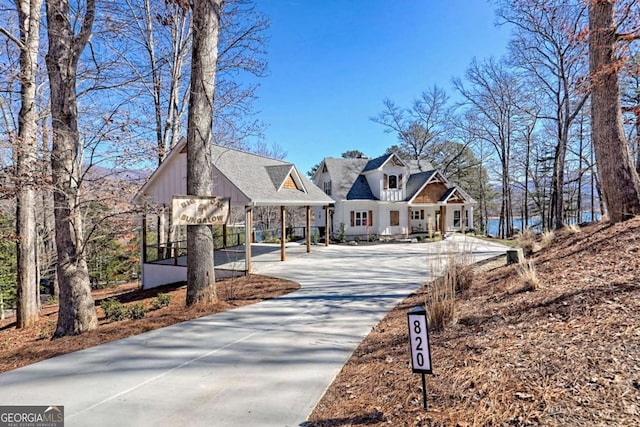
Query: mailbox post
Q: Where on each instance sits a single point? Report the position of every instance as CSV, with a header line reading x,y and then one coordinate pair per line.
x,y
419,344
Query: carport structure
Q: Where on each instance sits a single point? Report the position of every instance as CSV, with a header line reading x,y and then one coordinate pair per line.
x,y
248,180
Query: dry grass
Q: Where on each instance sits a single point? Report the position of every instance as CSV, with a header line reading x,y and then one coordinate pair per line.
x,y
527,272
527,241
441,302
565,355
547,238
572,229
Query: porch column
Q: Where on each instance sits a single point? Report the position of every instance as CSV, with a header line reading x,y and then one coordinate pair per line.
x,y
462,218
409,222
308,232
248,225
326,225
443,219
283,234
143,255
224,236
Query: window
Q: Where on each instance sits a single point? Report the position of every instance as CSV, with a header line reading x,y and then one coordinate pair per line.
x,y
392,182
361,218
394,218
327,188
417,214
456,218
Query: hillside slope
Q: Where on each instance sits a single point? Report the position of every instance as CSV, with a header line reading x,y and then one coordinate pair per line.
x,y
567,353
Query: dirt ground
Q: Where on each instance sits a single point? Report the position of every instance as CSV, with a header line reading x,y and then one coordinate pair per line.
x,y
20,347
566,354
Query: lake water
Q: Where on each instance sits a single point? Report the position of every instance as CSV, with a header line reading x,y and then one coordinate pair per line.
x,y
534,223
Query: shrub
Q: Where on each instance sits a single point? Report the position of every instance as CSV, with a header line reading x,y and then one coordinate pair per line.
x,y
161,300
136,311
114,310
527,272
315,238
342,237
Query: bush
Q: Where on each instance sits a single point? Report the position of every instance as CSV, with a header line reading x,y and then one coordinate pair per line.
x,y
136,311
161,300
114,310
342,237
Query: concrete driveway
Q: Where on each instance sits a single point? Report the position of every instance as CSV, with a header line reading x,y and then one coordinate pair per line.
x,y
261,365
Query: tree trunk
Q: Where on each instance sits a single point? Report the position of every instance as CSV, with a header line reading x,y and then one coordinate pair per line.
x,y
200,244
77,310
618,178
26,164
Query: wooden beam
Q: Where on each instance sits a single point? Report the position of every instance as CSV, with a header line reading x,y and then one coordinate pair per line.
x,y
308,231
283,234
224,235
248,226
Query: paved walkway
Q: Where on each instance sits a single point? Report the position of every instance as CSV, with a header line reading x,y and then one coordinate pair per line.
x,y
261,365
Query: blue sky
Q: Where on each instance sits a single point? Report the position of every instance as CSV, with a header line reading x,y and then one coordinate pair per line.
x,y
333,62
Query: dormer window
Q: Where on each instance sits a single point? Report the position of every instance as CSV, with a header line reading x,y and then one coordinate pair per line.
x,y
392,182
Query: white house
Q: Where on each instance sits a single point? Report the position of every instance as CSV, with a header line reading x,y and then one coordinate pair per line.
x,y
248,180
388,196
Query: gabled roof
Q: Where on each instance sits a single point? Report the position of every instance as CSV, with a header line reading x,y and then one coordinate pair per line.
x,y
417,181
258,178
379,162
456,190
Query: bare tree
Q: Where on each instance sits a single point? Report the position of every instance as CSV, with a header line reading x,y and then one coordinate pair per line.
x,y
77,310
492,94
206,28
619,180
419,126
546,45
26,161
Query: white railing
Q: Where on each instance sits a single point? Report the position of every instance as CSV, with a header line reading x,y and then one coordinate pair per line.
x,y
392,195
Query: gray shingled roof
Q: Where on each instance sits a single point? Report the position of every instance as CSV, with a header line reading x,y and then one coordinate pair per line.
x,y
259,178
344,173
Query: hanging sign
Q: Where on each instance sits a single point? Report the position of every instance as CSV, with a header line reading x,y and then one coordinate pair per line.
x,y
193,210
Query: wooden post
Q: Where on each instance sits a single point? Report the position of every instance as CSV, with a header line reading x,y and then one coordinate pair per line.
x,y
308,231
224,236
462,219
144,238
283,234
443,220
326,225
248,226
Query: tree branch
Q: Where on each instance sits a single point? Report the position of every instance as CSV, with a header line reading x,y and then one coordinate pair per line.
x,y
12,38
